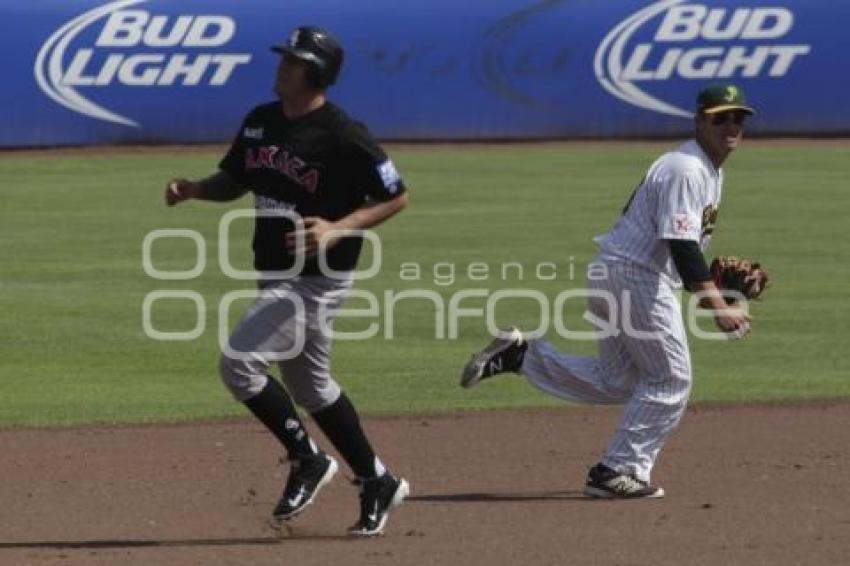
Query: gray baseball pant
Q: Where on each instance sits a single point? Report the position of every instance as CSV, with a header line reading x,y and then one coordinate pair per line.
x,y
271,327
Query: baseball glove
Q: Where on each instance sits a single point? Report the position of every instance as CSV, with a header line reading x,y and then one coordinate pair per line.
x,y
740,275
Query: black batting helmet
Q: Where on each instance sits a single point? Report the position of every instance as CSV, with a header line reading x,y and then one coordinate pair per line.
x,y
319,49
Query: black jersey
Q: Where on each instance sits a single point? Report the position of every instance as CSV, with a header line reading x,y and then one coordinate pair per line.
x,y
321,164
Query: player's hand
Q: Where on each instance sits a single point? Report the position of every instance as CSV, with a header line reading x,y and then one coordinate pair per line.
x,y
178,190
317,231
733,321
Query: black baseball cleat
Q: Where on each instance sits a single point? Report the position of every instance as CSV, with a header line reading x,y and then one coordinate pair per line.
x,y
505,353
605,483
306,477
377,498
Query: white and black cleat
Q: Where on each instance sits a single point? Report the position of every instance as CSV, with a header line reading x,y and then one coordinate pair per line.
x,y
503,354
605,483
378,497
306,477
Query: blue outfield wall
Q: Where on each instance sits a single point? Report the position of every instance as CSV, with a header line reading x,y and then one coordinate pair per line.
x,y
96,71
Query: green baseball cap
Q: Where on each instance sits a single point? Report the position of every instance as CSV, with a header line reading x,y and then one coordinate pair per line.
x,y
722,97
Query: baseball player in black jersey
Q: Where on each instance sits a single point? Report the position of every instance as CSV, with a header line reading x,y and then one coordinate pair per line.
x,y
314,172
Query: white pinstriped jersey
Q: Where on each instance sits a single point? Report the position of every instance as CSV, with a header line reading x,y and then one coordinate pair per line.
x,y
677,200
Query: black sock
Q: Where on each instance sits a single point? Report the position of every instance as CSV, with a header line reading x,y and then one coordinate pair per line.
x,y
274,408
341,425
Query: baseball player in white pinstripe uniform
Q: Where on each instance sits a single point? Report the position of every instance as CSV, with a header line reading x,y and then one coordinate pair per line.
x,y
655,247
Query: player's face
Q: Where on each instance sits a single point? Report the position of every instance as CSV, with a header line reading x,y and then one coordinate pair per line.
x,y
721,132
291,79
729,126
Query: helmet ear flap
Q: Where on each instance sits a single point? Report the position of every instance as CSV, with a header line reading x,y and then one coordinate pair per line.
x,y
315,76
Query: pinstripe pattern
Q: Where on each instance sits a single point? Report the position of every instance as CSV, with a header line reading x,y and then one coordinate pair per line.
x,y
650,376
677,187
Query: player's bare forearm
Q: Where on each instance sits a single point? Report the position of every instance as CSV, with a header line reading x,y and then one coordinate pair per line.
x,y
372,215
320,232
710,295
728,318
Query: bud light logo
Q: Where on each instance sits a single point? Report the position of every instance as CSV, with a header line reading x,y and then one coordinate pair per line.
x,y
672,39
118,44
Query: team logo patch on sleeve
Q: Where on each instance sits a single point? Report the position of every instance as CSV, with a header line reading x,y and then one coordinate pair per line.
x,y
683,225
389,176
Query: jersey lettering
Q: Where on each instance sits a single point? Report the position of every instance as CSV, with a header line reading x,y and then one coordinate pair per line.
x,y
324,164
291,166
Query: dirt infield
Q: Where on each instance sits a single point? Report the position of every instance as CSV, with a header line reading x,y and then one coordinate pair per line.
x,y
755,485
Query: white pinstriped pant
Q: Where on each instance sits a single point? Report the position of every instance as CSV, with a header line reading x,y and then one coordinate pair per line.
x,y
651,377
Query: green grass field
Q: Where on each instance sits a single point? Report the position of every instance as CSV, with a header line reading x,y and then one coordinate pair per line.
x,y
72,282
